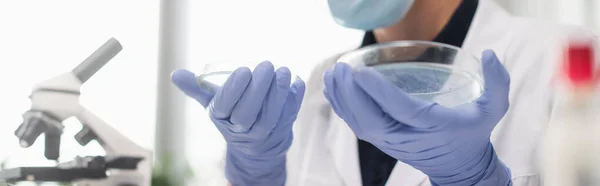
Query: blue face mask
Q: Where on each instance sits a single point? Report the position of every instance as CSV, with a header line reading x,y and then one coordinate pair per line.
x,y
368,14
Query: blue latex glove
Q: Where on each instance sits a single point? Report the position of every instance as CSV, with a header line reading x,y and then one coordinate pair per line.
x,y
254,111
450,145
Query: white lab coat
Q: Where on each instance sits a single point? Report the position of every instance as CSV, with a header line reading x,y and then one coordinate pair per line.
x,y
324,151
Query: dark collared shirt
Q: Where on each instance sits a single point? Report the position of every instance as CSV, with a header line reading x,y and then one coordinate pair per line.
x,y
376,166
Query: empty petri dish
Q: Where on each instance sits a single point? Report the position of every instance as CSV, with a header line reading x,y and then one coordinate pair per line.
x,y
215,74
425,70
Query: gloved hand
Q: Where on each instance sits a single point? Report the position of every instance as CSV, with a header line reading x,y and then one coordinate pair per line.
x,y
450,145
254,111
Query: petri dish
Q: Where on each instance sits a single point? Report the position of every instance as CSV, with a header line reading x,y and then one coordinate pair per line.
x,y
431,71
215,74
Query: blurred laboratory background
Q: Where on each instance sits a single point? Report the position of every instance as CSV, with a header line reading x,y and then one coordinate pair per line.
x,y
40,39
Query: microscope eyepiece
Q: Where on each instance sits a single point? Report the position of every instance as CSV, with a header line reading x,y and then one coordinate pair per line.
x,y
86,69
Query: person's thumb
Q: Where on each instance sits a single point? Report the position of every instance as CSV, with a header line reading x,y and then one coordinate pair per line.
x,y
494,101
186,82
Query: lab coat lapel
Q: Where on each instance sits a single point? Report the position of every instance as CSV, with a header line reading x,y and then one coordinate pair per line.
x,y
489,30
492,29
405,175
343,146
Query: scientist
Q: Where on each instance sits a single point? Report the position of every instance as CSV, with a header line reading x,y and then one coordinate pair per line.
x,y
352,127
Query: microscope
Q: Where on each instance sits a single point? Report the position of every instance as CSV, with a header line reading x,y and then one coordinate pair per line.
x,y
56,99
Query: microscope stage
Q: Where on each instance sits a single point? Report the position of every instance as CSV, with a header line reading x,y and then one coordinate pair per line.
x,y
50,174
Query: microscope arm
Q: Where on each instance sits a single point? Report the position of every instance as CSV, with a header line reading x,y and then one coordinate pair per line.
x,y
114,143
